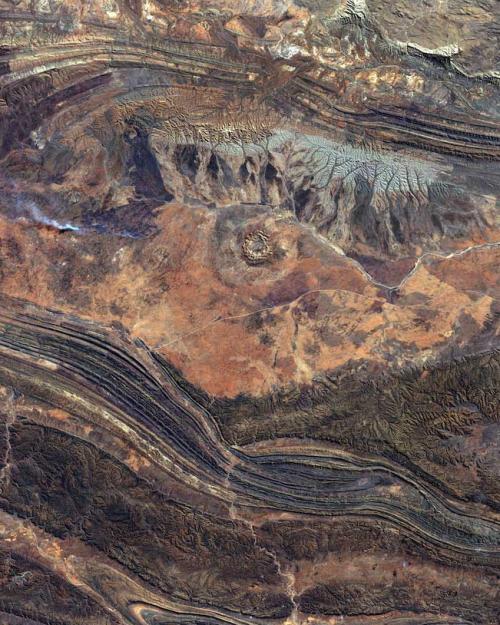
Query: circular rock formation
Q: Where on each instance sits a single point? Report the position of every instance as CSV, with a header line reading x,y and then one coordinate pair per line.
x,y
249,358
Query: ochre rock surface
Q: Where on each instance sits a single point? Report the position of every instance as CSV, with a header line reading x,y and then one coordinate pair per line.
x,y
249,297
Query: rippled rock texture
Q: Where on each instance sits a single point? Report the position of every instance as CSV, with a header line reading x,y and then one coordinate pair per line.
x,y
249,357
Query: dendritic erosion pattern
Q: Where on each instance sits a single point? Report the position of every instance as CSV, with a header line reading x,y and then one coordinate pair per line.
x,y
249,302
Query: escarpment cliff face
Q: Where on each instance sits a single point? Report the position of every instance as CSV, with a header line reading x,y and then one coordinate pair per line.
x,y
249,357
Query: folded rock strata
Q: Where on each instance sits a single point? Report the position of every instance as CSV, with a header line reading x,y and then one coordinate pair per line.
x,y
249,358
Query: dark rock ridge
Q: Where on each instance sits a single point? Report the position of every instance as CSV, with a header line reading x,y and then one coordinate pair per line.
x,y
249,297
